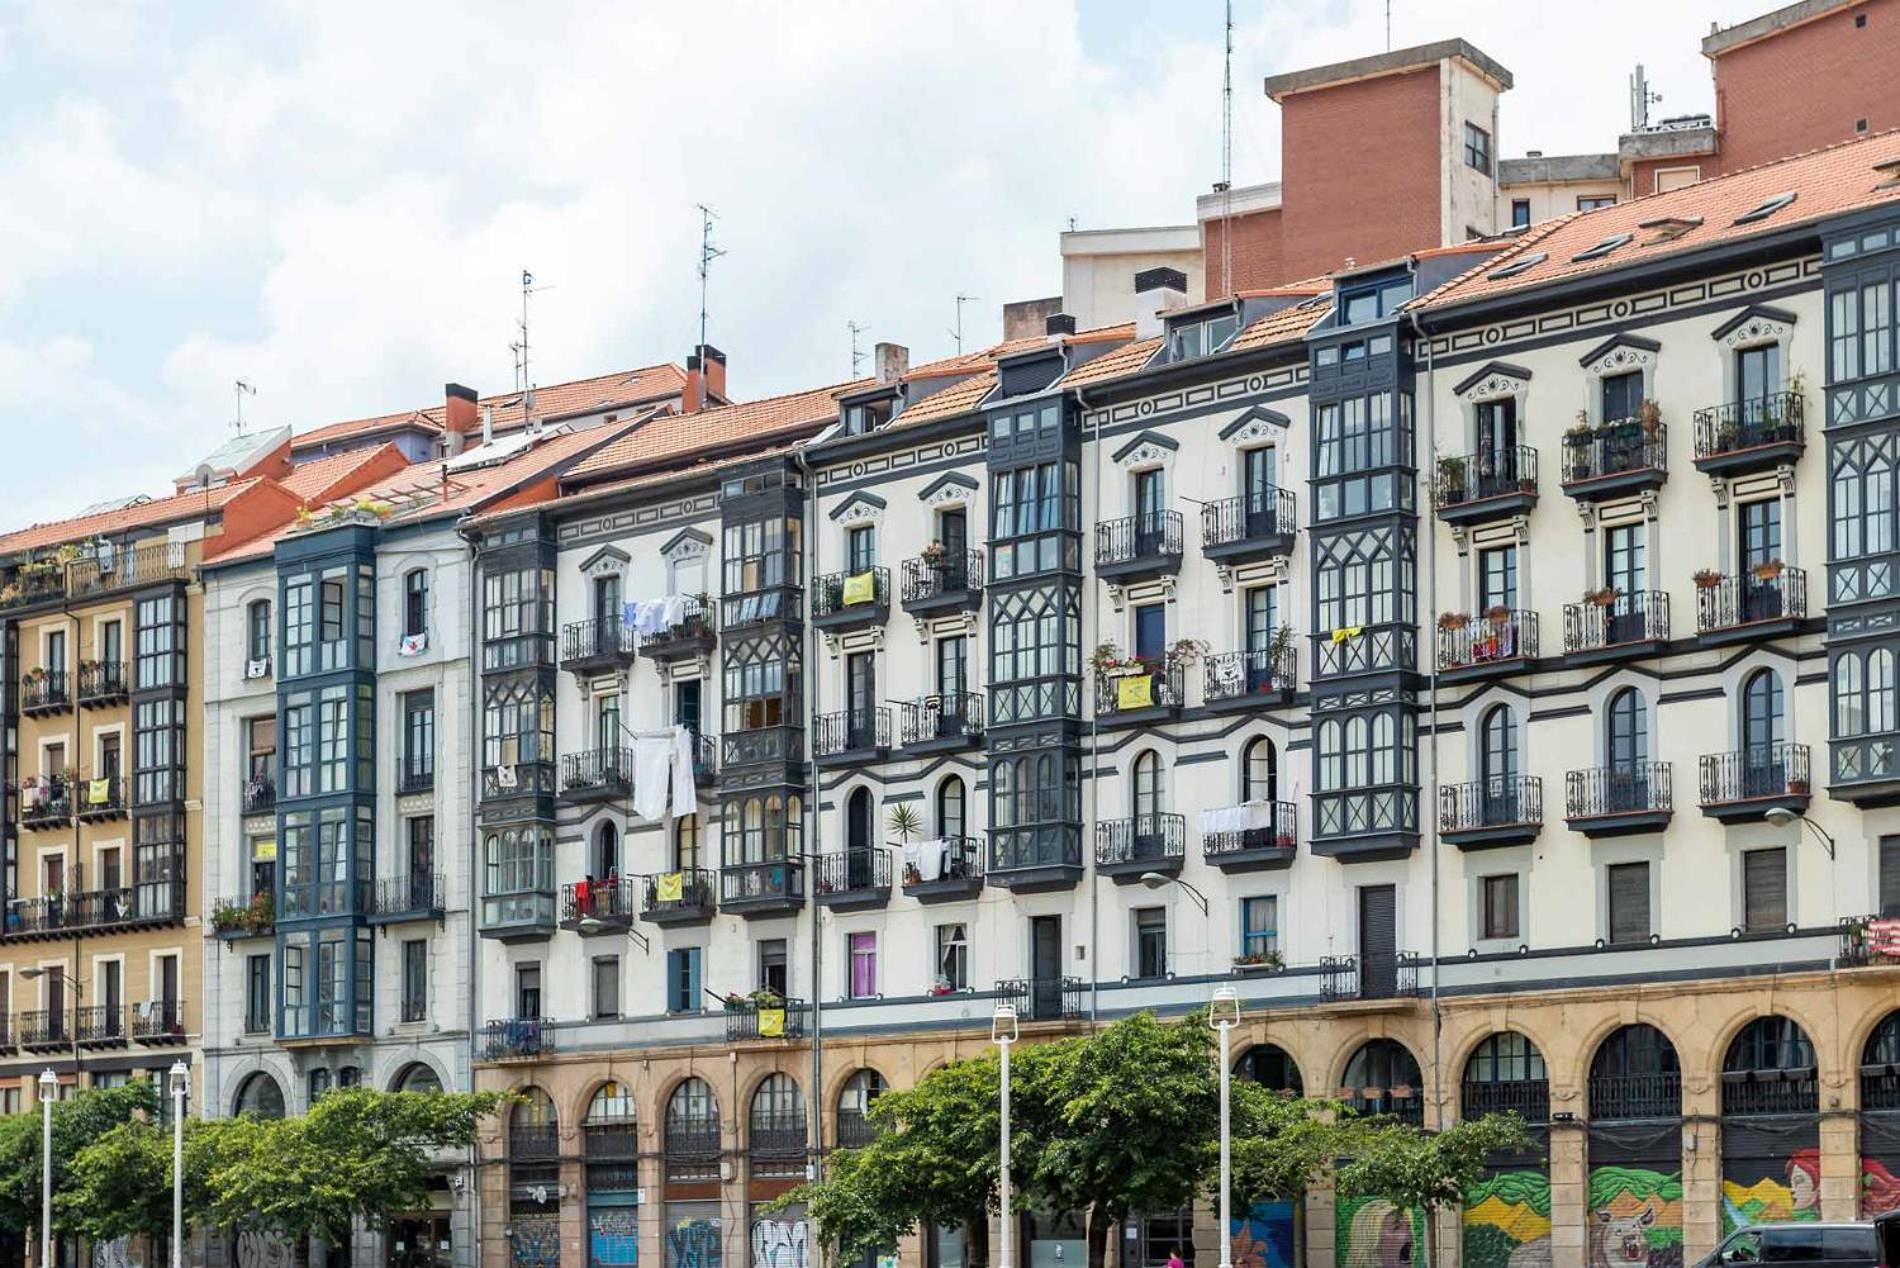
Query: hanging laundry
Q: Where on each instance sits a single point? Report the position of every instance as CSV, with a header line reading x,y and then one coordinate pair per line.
x,y
930,860
652,769
672,611
644,616
413,645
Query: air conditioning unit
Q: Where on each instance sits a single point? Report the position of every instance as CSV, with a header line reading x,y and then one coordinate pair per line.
x,y
257,668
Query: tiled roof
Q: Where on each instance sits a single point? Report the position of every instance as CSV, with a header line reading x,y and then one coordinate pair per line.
x,y
1282,326
678,435
1113,365
590,396
429,420
312,479
1826,182
959,398
153,514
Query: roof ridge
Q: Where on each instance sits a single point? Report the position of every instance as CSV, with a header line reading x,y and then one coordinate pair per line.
x,y
1536,234
1752,168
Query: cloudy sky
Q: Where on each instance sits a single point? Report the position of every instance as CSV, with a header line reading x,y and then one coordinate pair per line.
x,y
335,199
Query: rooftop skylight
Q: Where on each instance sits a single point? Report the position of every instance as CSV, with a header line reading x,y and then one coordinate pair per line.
x,y
1519,265
1601,249
1766,209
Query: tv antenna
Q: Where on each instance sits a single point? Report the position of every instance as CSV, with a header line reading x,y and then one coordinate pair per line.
x,y
1227,150
857,358
241,389
957,332
707,254
520,348
1641,99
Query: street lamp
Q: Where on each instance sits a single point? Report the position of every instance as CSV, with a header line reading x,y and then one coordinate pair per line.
x,y
1224,1016
1155,880
1781,817
49,1092
1003,1034
180,1083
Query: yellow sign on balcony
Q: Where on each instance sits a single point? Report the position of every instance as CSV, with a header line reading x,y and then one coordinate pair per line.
x,y
98,791
669,887
1136,691
860,587
1345,632
771,1023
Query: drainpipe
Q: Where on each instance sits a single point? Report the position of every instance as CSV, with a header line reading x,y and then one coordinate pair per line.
x,y
1431,750
809,817
472,746
1095,737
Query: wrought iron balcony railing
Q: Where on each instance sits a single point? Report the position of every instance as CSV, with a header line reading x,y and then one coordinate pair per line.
x,y
1155,535
1616,618
926,578
45,690
1624,1097
1762,770
1635,788
1736,602
851,731
1265,513
1124,692
950,716
1498,635
1238,675
517,1038
852,871
102,681
1152,838
1489,473
1497,802
1774,419
1616,448
601,638
1044,998
865,591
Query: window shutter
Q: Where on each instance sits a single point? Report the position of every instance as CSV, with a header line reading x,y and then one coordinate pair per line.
x,y
1629,902
1765,889
1890,876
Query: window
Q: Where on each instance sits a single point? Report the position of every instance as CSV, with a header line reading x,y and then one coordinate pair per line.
x,y
1497,578
1863,693
860,548
953,958
682,980
330,609
1757,376
951,824
1374,302
257,630
1259,771
1628,892
1150,794
606,987
686,843
1199,338
1595,202
418,738
1518,264
415,603
1477,149
1861,329
1598,250
299,628
861,956
527,990
1499,906
1890,876
415,979
1151,942
1260,925
774,975
1765,890
1765,209
1520,212
1628,732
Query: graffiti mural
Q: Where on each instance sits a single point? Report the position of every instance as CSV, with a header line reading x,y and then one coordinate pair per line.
x,y
1265,1237
1879,1161
1372,1233
1507,1221
613,1237
534,1241
779,1244
116,1253
1634,1212
693,1243
1771,1171
254,1248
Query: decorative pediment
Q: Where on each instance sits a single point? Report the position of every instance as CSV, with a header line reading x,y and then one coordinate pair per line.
x,y
1256,425
1495,379
1149,449
1758,323
605,562
688,543
859,508
1620,354
952,488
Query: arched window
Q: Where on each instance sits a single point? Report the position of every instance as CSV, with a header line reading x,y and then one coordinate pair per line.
x,y
257,631
1259,771
1382,1078
534,1131
1506,1072
854,1107
1332,756
950,819
775,1139
1497,760
1775,1047
692,1132
1762,721
1850,705
609,1128
1628,733
418,1077
1880,1066
606,852
259,1096
1150,796
1272,1068
1635,1074
1880,689
686,843
857,820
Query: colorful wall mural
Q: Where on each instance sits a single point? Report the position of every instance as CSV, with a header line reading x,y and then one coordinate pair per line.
x,y
1635,1218
1372,1233
1266,1236
1771,1170
1507,1221
1879,1162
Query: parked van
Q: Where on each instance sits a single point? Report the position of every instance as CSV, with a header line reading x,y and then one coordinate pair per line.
x,y
1875,1245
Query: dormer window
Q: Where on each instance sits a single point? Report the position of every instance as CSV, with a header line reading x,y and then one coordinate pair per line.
x,y
1765,209
1199,338
1601,249
864,417
1522,264
1374,302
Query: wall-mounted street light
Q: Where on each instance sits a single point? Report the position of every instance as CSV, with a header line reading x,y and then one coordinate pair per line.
x,y
1155,880
1781,817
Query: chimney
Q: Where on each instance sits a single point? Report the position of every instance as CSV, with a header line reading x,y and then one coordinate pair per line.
x,y
1157,291
705,378
488,424
889,361
1055,325
458,416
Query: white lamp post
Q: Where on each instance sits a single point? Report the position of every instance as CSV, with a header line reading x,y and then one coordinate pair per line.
x,y
49,1092
1224,1016
1003,1034
180,1084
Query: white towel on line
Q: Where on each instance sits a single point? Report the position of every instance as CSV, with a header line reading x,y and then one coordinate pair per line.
x,y
660,758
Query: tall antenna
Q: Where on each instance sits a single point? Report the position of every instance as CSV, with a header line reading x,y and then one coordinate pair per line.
x,y
1227,160
707,254
957,333
857,358
1388,26
242,390
523,384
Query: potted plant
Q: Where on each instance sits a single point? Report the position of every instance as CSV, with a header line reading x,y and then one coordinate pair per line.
x,y
1453,620
1451,480
1706,578
935,553
1497,614
227,917
1107,661
1264,961
1185,651
1281,646
1602,598
903,821
1768,569
1649,416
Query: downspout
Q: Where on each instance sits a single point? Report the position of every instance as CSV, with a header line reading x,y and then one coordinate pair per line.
x,y
1431,750
808,566
472,746
1095,735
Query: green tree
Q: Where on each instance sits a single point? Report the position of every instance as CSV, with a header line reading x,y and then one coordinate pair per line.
x,y
86,1117
120,1185
1281,1144
1424,1171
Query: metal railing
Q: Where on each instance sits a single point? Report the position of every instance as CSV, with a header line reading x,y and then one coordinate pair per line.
x,y
952,715
1491,803
1489,473
46,689
1635,788
705,755
102,680
855,1129
1774,419
1166,689
417,893
101,1024
962,860
159,1021
1529,1099
517,1037
46,801
1044,998
600,900
1736,601
252,914
1793,1091
33,585
1760,770
109,569
828,592
1498,634
1143,838
1267,512
1615,449
1233,675
696,893
743,1020
152,902
1640,616
851,730
852,871
260,794
601,770
752,882
597,638
534,1140
1343,977
1283,834
415,779
953,574
1155,535
45,1028
695,624
100,797
1616,1097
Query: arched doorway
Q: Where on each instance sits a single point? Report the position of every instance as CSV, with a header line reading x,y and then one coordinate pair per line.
x,y
777,1149
261,1096
1635,1143
1880,1119
860,840
855,1127
1505,1074
611,1145
690,1155
1771,1130
1272,1067
534,1182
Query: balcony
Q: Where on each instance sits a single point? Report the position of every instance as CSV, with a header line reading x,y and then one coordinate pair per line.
x,y
9,1034
260,795
1612,625
1371,824
851,737
1746,785
852,880
1128,849
1769,602
690,639
1490,485
705,758
1758,434
1483,814
1623,1097
1044,998
34,582
45,1031
1254,836
1256,526
1140,693
679,898
775,888
598,906
106,569
602,774
1343,978
522,779
1139,548
939,584
1610,801
45,691
517,1039
159,1023
780,746
748,1019
1865,769
244,916
414,779
525,915
1614,460
100,798
418,896
102,1026
603,644
946,870
1787,1091
102,683
153,903
1029,859
1235,682
1496,644
941,723
846,601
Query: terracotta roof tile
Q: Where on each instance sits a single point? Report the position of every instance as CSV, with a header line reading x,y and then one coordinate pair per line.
x,y
590,396
1114,365
429,420
948,402
318,476
1826,182
680,435
153,514
1282,326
